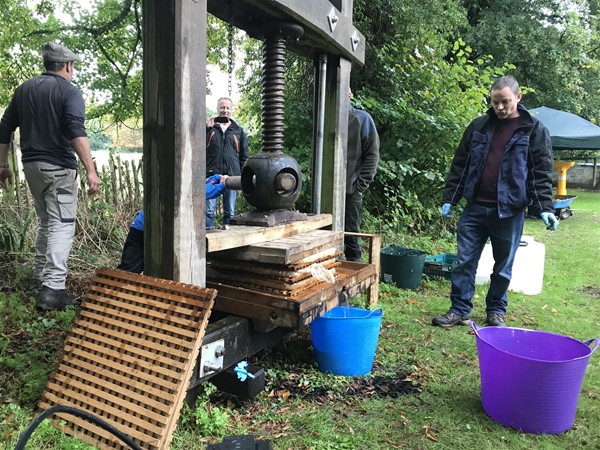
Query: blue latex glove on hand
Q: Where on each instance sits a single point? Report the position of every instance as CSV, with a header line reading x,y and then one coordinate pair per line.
x,y
446,210
550,220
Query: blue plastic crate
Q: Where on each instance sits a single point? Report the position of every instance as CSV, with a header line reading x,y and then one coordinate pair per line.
x,y
440,265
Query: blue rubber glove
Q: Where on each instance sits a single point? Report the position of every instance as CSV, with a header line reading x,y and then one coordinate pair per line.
x,y
446,210
550,220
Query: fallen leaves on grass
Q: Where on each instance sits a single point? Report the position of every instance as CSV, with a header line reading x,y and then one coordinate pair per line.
x,y
395,444
429,433
420,322
283,394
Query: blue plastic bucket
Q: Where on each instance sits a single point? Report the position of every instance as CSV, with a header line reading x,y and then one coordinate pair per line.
x,y
345,339
531,380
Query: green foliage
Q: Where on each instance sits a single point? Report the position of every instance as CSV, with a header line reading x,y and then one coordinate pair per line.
x,y
205,418
552,45
15,227
106,33
45,435
28,340
99,141
438,91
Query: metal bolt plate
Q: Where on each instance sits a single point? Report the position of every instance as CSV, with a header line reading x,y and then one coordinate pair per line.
x,y
211,357
355,40
332,19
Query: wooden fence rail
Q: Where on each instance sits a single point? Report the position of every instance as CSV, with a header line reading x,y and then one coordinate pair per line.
x,y
121,183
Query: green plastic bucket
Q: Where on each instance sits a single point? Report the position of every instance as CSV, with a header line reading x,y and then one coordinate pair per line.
x,y
402,266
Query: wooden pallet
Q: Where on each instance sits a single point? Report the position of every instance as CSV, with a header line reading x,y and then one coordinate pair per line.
x,y
351,279
128,358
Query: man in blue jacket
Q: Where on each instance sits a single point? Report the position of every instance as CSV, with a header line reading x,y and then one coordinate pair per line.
x,y
502,165
132,259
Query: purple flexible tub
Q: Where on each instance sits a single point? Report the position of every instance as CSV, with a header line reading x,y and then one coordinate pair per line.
x,y
531,380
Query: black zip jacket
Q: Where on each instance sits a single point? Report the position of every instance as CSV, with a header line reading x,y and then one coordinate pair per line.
x,y
525,171
226,152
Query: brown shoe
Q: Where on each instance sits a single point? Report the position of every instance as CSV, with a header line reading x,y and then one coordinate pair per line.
x,y
51,299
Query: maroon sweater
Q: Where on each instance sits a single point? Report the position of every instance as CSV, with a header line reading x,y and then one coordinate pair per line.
x,y
488,184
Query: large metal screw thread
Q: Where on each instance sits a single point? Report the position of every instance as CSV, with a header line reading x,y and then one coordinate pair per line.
x,y
273,94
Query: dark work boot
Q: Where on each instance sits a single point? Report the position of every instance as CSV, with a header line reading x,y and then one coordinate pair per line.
x,y
495,320
449,320
50,299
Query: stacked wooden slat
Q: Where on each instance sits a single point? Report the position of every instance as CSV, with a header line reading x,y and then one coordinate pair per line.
x,y
273,310
288,266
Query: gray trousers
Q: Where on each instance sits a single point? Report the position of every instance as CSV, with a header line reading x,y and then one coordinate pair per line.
x,y
54,190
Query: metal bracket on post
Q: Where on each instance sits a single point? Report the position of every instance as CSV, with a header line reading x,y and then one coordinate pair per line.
x,y
211,357
355,39
332,19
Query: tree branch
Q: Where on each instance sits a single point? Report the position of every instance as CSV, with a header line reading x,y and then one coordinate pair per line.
x,y
93,31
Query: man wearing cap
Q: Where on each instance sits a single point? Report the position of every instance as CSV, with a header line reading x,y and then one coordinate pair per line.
x,y
50,113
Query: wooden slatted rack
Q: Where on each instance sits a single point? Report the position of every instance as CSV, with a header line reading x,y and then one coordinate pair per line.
x,y
128,358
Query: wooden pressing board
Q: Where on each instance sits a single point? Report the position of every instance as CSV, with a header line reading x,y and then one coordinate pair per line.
x,y
128,358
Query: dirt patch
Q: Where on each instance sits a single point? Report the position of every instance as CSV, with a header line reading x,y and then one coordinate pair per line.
x,y
376,386
592,291
307,383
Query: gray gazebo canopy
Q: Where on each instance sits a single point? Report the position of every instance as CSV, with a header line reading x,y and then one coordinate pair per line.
x,y
568,131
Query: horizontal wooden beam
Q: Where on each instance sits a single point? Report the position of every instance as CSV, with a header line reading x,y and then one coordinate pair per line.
x,y
313,15
240,235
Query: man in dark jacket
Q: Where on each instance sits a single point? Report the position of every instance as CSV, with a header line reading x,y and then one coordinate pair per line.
x,y
50,113
226,154
361,166
502,165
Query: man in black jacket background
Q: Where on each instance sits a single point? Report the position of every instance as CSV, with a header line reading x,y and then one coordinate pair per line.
x,y
361,167
226,154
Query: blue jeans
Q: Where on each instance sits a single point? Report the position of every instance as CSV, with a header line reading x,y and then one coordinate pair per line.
x,y
476,224
229,199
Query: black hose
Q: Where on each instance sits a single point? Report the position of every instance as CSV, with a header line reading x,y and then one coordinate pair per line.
x,y
76,412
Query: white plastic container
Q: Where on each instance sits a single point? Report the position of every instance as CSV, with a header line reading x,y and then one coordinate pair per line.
x,y
528,268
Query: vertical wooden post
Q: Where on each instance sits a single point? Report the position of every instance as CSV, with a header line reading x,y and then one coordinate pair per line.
x,y
347,7
375,259
174,139
333,186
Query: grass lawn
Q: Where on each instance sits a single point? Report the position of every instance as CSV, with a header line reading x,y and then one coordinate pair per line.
x,y
302,408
